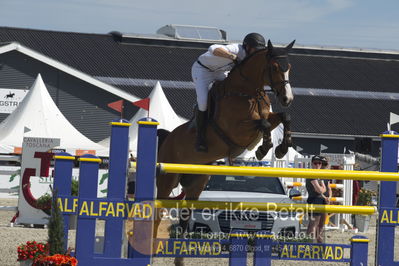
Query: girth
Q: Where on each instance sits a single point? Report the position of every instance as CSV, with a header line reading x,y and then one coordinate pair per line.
x,y
232,145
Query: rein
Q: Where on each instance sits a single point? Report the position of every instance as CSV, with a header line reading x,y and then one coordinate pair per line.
x,y
260,95
270,58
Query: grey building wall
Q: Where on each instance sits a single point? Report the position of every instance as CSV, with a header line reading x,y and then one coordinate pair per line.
x,y
311,146
84,105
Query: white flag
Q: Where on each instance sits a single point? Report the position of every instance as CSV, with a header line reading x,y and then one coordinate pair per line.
x,y
322,147
393,118
27,129
299,149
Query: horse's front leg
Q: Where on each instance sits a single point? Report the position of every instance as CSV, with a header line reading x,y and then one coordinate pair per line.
x,y
282,149
181,230
267,126
263,149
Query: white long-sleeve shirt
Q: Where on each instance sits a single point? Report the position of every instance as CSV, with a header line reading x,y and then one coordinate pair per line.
x,y
217,63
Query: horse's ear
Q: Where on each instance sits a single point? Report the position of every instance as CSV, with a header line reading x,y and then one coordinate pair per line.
x,y
269,45
289,46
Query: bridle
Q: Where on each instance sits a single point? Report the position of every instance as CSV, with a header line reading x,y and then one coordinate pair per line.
x,y
259,92
272,83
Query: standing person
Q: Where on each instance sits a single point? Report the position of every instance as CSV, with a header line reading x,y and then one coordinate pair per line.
x,y
316,189
131,178
213,65
327,197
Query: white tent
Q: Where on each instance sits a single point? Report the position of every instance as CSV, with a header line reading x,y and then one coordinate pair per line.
x,y
160,110
38,116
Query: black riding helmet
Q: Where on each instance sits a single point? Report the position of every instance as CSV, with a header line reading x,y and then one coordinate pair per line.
x,y
254,40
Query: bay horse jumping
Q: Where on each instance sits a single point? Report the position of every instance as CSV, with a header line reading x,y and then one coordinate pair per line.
x,y
240,118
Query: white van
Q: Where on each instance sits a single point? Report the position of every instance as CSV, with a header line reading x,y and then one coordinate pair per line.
x,y
230,188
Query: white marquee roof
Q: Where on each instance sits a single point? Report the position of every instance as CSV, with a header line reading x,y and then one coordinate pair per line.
x,y
39,114
160,110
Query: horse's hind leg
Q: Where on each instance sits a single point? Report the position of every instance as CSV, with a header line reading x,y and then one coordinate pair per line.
x,y
262,150
282,149
165,185
193,186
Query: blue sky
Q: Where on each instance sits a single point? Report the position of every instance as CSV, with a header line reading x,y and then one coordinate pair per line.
x,y
368,24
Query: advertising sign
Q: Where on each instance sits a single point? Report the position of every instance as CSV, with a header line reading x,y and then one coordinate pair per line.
x,y
10,99
33,165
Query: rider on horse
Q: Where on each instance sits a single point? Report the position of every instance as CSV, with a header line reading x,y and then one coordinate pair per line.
x,y
213,65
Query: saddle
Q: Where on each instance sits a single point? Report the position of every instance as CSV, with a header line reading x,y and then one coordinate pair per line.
x,y
214,95
217,92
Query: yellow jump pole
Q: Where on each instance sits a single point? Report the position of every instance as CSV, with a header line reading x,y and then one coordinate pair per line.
x,y
262,206
277,172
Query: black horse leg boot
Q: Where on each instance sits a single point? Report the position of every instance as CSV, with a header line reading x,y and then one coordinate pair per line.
x,y
201,123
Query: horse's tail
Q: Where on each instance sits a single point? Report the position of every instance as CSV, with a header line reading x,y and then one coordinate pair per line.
x,y
162,134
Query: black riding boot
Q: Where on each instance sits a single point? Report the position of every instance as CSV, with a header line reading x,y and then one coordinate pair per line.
x,y
201,122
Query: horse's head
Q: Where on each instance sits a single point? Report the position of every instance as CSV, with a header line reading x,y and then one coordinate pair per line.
x,y
278,73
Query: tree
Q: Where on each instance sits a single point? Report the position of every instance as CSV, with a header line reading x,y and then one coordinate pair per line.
x,y
56,228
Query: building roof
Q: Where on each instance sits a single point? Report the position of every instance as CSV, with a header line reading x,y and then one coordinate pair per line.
x,y
337,91
15,46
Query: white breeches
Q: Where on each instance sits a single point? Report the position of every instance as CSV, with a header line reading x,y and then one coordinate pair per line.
x,y
203,78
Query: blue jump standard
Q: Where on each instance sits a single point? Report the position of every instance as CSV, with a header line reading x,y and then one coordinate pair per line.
x,y
115,209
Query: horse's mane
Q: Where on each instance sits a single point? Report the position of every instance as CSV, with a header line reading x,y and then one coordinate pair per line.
x,y
246,59
274,53
253,54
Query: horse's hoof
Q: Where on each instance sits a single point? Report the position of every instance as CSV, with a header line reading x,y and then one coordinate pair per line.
x,y
179,261
280,151
259,154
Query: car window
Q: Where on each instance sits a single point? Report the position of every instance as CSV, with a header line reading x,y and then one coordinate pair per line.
x,y
245,184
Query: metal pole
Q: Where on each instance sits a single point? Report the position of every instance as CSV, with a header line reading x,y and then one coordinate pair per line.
x,y
263,249
265,206
238,248
145,190
277,172
359,250
387,199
